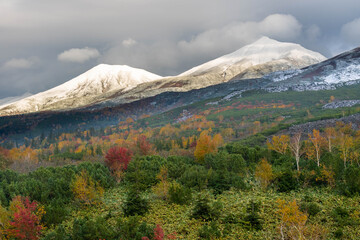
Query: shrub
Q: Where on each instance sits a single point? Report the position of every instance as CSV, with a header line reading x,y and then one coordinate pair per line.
x,y
205,208
252,219
85,228
210,231
310,208
286,182
223,180
142,172
56,212
179,194
352,180
177,166
195,177
133,229
135,204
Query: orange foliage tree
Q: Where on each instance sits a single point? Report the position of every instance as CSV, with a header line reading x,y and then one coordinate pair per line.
x,y
206,144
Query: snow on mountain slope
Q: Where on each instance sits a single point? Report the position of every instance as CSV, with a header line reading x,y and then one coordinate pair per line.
x,y
252,61
9,100
262,51
340,70
85,89
112,85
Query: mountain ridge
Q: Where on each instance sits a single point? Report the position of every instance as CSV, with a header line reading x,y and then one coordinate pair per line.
x,y
116,84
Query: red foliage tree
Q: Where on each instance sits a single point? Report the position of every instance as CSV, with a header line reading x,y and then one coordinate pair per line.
x,y
118,158
143,146
26,220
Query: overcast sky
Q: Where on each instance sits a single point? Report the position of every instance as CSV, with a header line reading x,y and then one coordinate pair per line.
x,y
44,43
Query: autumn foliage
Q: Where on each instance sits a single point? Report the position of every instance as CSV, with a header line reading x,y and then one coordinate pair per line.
x,y
85,189
292,220
25,223
143,147
279,144
206,144
263,173
117,159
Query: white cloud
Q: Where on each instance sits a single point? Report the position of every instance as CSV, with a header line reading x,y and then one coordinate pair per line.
x,y
19,63
78,55
184,54
129,42
278,26
351,32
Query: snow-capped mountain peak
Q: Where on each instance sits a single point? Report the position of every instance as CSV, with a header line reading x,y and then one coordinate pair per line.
x,y
261,51
85,89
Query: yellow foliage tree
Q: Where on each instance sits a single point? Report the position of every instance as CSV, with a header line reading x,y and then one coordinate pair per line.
x,y
217,140
263,173
292,220
85,189
4,221
279,144
161,189
345,143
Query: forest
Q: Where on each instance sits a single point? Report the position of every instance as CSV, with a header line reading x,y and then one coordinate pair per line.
x,y
230,170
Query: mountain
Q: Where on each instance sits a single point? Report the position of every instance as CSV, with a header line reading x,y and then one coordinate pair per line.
x,y
107,85
264,50
314,77
88,88
252,61
343,69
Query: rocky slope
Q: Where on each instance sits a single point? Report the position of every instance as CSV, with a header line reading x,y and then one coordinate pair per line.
x,y
340,70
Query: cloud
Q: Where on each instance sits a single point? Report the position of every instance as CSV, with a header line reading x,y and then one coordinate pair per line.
x,y
168,41
78,55
278,26
129,42
313,32
19,63
173,57
350,32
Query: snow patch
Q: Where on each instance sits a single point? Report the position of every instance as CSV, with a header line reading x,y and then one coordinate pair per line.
x,y
345,74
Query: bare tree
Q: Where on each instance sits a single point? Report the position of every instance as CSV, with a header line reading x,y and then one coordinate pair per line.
x,y
295,147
